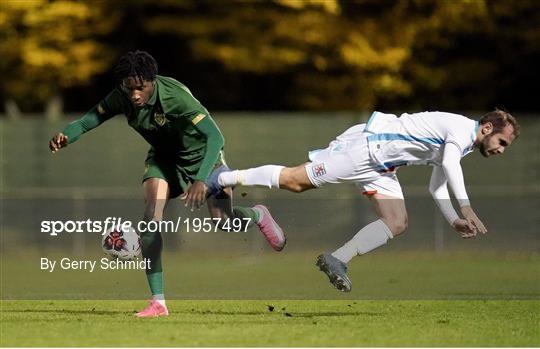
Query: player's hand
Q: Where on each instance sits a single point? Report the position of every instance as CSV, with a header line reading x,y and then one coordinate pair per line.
x,y
195,195
466,229
473,219
59,141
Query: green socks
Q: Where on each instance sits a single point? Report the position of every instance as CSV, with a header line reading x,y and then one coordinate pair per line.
x,y
246,212
152,245
155,281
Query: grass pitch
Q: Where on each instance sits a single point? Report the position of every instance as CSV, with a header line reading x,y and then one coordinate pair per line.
x,y
290,323
398,299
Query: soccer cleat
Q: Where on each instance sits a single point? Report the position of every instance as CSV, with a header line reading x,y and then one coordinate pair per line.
x,y
336,271
154,309
214,188
270,229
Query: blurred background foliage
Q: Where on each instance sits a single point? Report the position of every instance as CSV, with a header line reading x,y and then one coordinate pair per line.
x,y
279,54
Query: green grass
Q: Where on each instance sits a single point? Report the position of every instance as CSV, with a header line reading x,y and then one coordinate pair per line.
x,y
239,274
399,298
251,323
472,294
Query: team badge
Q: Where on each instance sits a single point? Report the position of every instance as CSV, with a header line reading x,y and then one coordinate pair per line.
x,y
160,119
100,109
198,119
318,170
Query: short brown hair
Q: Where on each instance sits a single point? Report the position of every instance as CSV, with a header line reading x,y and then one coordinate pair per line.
x,y
500,119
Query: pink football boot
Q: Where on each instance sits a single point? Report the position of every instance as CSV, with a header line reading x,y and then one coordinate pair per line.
x,y
270,229
154,309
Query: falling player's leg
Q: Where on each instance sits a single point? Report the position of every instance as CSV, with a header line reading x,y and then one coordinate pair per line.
x,y
293,179
156,194
348,160
220,205
334,164
331,165
392,222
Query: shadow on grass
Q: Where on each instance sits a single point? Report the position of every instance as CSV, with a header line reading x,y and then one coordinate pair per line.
x,y
283,313
199,312
69,311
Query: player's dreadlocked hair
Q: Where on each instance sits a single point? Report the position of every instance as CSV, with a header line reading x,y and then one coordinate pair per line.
x,y
136,64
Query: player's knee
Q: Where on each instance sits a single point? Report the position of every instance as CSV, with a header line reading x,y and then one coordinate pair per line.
x,y
151,212
399,225
403,226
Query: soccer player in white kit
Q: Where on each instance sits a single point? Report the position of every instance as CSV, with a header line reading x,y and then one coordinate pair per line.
x,y
369,154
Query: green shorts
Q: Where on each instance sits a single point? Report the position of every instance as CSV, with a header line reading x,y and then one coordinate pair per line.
x,y
174,170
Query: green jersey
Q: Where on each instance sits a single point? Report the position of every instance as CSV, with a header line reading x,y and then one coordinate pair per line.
x,y
173,122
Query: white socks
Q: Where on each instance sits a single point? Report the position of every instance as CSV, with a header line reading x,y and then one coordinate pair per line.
x,y
367,239
160,298
267,176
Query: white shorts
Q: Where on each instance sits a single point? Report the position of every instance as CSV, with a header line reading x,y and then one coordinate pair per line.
x,y
347,159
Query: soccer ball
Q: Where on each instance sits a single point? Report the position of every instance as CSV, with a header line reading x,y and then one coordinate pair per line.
x,y
121,243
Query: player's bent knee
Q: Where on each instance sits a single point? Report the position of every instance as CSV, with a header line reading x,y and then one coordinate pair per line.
x,y
398,225
402,227
151,212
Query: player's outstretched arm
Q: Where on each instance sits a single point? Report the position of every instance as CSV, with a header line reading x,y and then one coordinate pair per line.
x,y
439,191
58,142
454,174
92,119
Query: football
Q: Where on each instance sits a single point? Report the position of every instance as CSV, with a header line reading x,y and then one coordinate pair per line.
x,y
121,243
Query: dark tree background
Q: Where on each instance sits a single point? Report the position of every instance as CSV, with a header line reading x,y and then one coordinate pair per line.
x,y
280,54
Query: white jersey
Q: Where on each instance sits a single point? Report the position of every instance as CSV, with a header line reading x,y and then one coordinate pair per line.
x,y
417,139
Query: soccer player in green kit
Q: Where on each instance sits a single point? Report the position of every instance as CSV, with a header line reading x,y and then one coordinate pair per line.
x,y
186,150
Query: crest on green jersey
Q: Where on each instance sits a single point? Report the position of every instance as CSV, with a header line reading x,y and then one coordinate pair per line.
x,y
160,119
